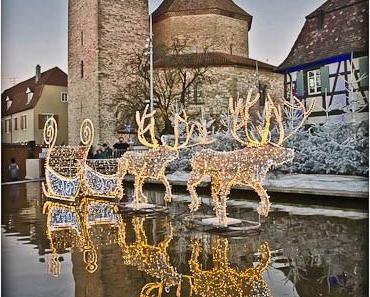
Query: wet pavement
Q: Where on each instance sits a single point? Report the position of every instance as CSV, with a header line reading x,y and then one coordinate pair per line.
x,y
93,249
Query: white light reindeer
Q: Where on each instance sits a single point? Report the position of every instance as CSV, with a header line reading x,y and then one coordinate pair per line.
x,y
153,163
247,166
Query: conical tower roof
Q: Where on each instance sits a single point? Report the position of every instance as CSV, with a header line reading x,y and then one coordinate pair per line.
x,y
195,7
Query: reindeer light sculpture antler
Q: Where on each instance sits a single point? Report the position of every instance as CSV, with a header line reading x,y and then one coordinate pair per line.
x,y
248,166
153,163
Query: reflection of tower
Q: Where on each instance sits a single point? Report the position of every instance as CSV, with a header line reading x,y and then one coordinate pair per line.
x,y
102,37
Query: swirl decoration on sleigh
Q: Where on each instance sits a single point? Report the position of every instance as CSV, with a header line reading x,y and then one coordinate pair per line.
x,y
84,227
98,178
62,166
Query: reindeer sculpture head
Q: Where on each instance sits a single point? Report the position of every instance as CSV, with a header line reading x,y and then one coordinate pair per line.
x,y
247,166
153,163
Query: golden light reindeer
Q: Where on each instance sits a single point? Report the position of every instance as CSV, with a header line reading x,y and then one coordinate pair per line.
x,y
247,166
224,281
153,163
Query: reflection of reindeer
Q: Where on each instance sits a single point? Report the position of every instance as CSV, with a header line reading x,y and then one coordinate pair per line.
x,y
223,280
152,259
247,166
153,163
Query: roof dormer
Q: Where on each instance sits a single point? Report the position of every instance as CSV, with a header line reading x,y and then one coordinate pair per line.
x,y
29,95
8,102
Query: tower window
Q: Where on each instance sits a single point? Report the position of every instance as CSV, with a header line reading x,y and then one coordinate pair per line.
x,y
82,69
82,38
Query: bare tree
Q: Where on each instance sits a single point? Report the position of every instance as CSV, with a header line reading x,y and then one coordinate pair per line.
x,y
176,74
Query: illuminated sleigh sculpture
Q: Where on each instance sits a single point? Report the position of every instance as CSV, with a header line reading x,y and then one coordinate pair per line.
x,y
153,163
74,227
224,281
151,259
248,166
100,178
63,165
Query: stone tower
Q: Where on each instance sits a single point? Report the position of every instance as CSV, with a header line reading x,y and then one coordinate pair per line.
x,y
102,34
218,25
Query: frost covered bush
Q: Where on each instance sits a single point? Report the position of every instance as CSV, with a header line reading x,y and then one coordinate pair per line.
x,y
341,148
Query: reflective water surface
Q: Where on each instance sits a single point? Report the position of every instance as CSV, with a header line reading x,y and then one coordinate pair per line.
x,y
91,248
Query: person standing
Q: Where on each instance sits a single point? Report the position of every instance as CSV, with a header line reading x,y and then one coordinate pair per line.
x,y
120,147
13,170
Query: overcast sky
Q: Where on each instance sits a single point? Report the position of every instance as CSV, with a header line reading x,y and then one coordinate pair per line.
x,y
35,32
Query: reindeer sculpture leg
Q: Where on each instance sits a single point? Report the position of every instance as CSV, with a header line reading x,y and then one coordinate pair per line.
x,y
194,180
143,197
164,180
139,230
139,196
220,204
264,206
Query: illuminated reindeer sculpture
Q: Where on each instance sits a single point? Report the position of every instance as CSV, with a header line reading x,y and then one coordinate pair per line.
x,y
152,259
247,166
223,280
153,163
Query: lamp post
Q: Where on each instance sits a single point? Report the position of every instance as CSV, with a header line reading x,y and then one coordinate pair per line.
x,y
151,52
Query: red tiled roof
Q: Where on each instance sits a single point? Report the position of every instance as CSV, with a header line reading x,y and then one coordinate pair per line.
x,y
18,95
209,59
195,7
344,29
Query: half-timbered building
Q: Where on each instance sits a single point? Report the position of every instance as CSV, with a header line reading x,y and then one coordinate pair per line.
x,y
329,62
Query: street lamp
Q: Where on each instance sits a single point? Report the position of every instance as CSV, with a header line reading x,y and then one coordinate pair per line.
x,y
150,52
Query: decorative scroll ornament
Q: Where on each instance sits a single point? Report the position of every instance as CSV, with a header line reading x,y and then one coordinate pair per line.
x,y
87,133
153,163
73,227
249,165
224,281
151,259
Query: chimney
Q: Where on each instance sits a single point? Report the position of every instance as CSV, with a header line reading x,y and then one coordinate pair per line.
x,y
38,73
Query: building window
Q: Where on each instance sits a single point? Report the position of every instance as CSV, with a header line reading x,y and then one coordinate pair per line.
x,y
82,38
7,126
314,82
15,123
194,93
44,117
82,69
24,122
64,97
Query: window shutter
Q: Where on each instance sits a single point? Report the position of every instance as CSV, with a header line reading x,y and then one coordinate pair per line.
x,y
325,83
41,122
364,69
56,117
300,84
